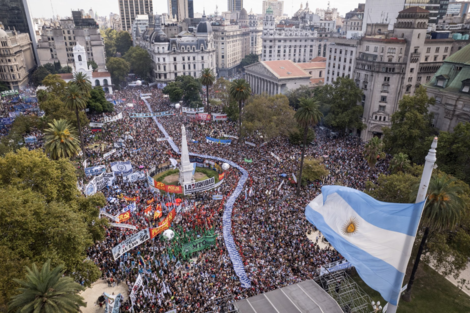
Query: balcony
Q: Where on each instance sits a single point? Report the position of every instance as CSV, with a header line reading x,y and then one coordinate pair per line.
x,y
414,57
380,67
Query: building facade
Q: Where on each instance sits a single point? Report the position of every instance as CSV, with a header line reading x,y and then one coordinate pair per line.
x,y
341,59
16,15
173,57
276,5
129,9
16,58
256,30
232,44
57,41
80,65
141,23
275,77
287,41
450,86
234,5
389,67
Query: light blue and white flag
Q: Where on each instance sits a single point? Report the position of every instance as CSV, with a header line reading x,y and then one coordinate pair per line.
x,y
373,236
121,168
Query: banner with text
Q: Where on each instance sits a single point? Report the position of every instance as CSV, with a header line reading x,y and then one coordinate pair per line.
x,y
199,186
131,242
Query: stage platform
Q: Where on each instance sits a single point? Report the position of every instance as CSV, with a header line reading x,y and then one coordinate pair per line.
x,y
303,297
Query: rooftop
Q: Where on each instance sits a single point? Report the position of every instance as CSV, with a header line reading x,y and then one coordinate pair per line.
x,y
285,69
414,10
311,65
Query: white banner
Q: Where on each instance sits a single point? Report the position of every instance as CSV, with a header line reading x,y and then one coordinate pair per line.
x,y
114,218
199,186
161,139
137,285
276,157
109,119
130,243
107,154
109,179
131,178
250,143
121,168
96,125
129,226
230,136
219,117
192,110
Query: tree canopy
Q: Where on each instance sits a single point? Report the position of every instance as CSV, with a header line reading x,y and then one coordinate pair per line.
x,y
411,125
97,101
38,75
118,68
139,60
123,42
50,219
303,92
187,88
313,170
249,59
269,116
339,103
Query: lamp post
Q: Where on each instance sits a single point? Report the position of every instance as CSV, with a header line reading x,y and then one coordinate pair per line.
x,y
376,306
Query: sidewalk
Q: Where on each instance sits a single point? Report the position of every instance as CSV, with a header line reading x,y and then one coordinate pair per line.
x,y
90,295
465,274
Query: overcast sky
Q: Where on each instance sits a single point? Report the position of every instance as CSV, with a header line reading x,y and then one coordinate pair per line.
x,y
45,8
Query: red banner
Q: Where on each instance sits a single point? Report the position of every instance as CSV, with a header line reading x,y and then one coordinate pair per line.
x,y
123,217
160,186
203,117
168,219
130,199
157,214
156,231
150,201
148,209
173,189
221,176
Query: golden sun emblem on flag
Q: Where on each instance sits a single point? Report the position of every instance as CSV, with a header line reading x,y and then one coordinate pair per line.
x,y
350,226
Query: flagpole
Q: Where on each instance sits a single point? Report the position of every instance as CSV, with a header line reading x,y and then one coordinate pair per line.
x,y
422,191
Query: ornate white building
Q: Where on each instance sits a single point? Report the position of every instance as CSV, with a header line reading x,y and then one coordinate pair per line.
x,y
173,57
80,65
292,39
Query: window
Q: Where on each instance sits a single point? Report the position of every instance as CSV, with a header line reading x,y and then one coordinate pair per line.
x,y
437,49
412,70
428,78
418,78
387,79
426,58
410,79
444,57
381,108
174,59
97,82
428,50
446,49
367,48
408,88
383,98
435,57
80,58
376,49
438,99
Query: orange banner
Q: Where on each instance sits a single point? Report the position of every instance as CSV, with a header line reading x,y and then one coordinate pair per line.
x,y
150,201
123,217
156,231
157,214
168,219
148,209
221,176
130,199
174,189
160,185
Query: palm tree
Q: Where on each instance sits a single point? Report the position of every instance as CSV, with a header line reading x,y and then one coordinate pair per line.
x,y
75,100
207,79
307,115
443,211
83,83
399,163
47,291
240,90
372,150
61,140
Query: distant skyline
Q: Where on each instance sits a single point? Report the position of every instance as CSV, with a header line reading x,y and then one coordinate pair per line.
x,y
45,8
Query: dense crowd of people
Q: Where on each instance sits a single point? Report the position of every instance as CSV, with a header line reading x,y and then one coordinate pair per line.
x,y
269,225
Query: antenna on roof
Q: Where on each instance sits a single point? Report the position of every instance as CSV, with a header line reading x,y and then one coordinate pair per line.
x,y
52,7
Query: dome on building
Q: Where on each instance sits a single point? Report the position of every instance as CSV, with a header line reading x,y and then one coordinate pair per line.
x,y
243,15
204,27
269,10
3,33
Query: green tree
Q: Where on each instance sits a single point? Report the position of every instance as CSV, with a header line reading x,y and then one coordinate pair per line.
x,y
173,91
453,155
308,115
232,110
399,163
269,116
296,136
123,42
207,79
139,60
75,100
341,107
443,211
302,92
240,91
39,74
50,67
411,125
313,170
249,59
118,68
373,150
54,85
192,89
221,90
84,85
97,101
61,140
47,291
109,36
65,69
93,64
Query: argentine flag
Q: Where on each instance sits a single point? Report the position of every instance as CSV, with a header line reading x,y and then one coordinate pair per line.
x,y
375,237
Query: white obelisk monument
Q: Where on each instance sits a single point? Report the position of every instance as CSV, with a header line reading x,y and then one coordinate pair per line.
x,y
186,168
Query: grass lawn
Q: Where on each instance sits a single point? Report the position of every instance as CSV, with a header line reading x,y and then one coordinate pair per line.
x,y
431,293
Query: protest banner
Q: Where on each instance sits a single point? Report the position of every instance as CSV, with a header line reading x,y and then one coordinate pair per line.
x,y
95,170
129,226
124,217
202,243
219,117
250,144
199,186
131,242
109,119
138,283
214,140
121,168
108,154
203,117
155,114
192,110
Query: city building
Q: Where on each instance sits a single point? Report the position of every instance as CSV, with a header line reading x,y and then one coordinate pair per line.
x,y
393,65
15,15
256,30
450,86
114,22
455,16
275,77
179,9
57,41
234,5
16,58
341,59
80,65
276,5
129,9
433,6
141,22
316,69
293,39
382,12
173,57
